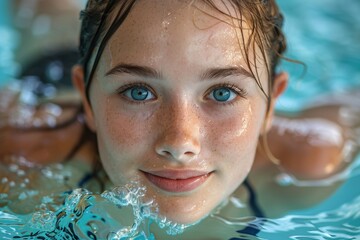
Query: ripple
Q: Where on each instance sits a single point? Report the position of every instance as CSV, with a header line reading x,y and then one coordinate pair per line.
x,y
120,213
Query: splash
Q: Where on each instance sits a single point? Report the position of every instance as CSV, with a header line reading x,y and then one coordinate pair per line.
x,y
120,213
38,201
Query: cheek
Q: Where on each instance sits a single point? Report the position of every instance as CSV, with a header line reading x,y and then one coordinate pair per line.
x,y
118,127
236,134
119,130
234,140
120,133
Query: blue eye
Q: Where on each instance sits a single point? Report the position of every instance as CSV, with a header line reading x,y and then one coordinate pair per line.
x,y
138,93
223,94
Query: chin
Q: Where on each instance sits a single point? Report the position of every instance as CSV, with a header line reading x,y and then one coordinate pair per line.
x,y
184,209
185,218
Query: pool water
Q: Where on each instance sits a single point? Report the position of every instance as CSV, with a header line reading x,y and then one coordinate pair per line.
x,y
325,35
66,213
8,42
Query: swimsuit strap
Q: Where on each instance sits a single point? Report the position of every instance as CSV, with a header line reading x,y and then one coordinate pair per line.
x,y
87,177
255,208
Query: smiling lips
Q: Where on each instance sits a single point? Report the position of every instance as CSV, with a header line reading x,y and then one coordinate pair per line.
x,y
177,181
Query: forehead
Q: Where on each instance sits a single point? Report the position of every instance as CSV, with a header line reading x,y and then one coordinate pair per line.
x,y
152,26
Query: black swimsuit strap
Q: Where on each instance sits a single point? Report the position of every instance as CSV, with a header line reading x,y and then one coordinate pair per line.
x,y
253,201
255,208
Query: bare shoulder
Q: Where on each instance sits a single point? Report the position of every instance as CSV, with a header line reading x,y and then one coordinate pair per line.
x,y
313,146
317,142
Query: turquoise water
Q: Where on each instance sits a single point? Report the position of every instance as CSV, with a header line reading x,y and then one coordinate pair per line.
x,y
86,215
8,42
325,35
337,217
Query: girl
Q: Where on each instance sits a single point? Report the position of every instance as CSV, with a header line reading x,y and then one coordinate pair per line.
x,y
179,94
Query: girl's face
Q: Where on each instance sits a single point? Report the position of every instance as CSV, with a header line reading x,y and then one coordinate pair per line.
x,y
175,107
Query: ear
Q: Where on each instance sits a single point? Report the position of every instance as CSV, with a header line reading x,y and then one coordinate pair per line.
x,y
279,86
79,84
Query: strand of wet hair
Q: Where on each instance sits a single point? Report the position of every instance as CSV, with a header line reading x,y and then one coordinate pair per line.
x,y
119,19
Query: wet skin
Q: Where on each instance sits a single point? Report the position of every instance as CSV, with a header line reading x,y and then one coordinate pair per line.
x,y
182,128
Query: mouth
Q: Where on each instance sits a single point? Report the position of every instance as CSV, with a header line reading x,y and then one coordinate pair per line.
x,y
177,181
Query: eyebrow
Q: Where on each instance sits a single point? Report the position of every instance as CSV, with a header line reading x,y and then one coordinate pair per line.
x,y
215,73
134,70
143,71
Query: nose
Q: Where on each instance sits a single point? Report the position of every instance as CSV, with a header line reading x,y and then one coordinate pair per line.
x,y
179,138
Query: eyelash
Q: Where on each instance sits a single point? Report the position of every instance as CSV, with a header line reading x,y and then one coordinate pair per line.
x,y
238,91
122,90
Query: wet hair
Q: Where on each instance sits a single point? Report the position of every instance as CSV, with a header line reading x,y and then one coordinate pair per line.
x,y
262,16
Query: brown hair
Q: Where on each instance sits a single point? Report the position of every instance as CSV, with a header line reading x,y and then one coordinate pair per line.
x,y
262,16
